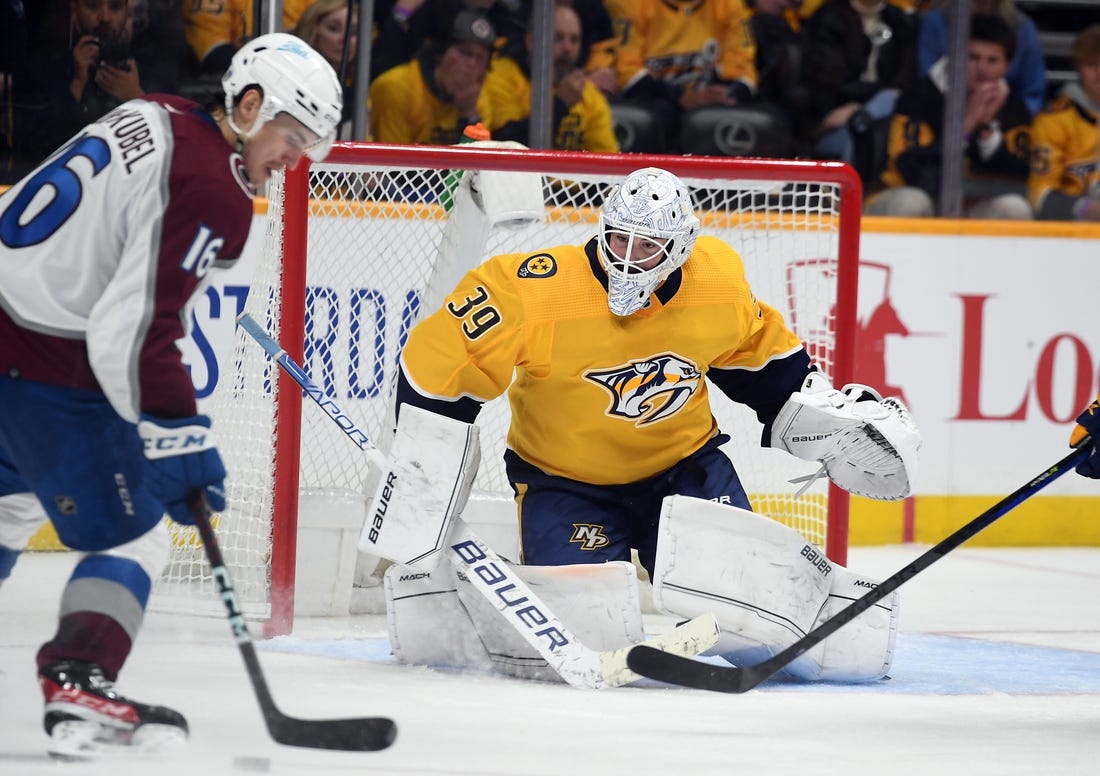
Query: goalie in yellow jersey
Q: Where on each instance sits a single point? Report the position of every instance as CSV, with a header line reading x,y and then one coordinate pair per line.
x,y
603,349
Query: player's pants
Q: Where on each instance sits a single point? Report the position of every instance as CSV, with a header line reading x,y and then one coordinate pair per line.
x,y
564,521
85,464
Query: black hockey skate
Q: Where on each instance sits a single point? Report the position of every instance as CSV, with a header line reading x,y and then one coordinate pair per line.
x,y
85,716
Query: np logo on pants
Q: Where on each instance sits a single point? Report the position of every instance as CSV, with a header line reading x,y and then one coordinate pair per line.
x,y
589,536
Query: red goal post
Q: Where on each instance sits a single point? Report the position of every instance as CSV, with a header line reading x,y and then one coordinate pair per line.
x,y
356,249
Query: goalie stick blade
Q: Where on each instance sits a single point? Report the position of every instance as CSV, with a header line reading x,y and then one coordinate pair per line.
x,y
688,638
674,669
364,734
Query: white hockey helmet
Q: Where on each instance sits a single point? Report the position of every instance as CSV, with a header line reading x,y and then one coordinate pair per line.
x,y
654,204
294,79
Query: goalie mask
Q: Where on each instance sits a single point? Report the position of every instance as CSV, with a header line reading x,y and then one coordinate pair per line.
x,y
294,79
647,230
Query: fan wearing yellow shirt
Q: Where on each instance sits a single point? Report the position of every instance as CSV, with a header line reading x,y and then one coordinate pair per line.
x,y
436,95
581,119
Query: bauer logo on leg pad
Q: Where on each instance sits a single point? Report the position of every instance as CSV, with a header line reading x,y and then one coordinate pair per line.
x,y
817,559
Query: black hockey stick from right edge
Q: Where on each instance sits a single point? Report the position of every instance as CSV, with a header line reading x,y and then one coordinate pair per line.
x,y
360,734
674,669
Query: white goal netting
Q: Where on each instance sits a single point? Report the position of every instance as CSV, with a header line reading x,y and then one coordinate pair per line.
x,y
381,249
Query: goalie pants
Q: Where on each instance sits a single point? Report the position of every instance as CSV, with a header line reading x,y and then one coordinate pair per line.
x,y
564,521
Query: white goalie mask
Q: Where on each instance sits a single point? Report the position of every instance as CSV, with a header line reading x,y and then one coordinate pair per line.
x,y
651,207
295,79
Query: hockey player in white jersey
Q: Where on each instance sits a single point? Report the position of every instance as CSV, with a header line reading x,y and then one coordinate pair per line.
x,y
103,249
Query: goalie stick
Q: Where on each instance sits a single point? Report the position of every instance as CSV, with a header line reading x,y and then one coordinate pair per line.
x,y
578,665
357,734
674,669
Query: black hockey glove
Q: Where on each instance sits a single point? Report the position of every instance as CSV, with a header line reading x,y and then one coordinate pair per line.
x,y
1088,423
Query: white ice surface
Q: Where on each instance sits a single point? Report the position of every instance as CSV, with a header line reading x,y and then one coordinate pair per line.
x,y
997,672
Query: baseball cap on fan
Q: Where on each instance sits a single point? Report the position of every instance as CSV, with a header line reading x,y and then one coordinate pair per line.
x,y
473,26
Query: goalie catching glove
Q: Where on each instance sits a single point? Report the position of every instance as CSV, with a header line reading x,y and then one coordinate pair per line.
x,y
866,444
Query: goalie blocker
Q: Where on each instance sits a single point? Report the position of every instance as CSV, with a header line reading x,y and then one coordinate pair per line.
x,y
423,488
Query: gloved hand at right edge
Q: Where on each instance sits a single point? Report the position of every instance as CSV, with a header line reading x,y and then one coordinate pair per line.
x,y
1088,423
182,457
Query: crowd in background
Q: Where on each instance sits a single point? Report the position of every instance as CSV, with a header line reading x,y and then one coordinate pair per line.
x,y
863,81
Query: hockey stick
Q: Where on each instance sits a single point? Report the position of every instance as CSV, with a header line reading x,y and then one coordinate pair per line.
x,y
738,679
361,734
501,586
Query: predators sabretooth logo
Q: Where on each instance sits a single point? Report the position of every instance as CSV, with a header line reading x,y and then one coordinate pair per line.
x,y
649,390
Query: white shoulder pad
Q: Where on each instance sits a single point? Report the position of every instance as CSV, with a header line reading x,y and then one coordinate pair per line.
x,y
868,445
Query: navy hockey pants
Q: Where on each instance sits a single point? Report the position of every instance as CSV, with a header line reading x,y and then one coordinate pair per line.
x,y
563,521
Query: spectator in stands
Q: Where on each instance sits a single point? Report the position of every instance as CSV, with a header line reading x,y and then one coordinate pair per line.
x,y
158,26
1064,183
324,26
1027,75
995,133
581,117
858,56
778,33
404,25
108,63
293,10
215,29
599,43
14,34
436,95
681,55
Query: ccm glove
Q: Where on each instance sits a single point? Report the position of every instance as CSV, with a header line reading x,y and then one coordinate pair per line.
x,y
182,458
1088,423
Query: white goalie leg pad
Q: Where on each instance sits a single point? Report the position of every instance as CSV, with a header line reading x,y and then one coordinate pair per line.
x,y
428,625
599,604
432,464
861,651
763,581
868,445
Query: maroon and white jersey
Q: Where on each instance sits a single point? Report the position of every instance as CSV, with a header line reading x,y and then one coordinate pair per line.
x,y
105,246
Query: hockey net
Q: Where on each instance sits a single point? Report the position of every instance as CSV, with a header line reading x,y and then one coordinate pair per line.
x,y
356,249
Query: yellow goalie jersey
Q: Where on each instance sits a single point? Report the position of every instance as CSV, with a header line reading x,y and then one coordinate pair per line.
x,y
596,397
